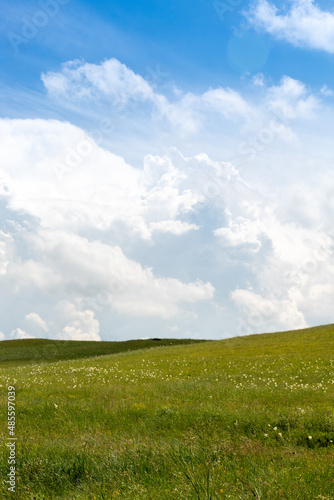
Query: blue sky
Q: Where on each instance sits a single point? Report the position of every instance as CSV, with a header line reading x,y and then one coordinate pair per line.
x,y
188,40
166,168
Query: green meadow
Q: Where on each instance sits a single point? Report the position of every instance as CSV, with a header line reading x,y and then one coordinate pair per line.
x,y
248,417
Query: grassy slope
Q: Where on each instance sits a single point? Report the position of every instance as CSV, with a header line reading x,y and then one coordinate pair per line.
x,y
42,350
248,417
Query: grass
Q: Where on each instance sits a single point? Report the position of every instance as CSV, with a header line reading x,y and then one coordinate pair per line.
x,y
26,351
248,417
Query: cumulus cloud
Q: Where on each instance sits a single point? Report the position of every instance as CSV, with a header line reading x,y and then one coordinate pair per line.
x,y
71,265
228,102
291,99
242,231
291,264
89,240
67,321
228,120
79,324
258,313
18,333
304,25
36,322
74,251
116,84
76,198
112,79
69,248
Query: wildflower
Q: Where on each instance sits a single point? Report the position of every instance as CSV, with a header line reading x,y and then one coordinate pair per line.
x,y
265,435
280,434
275,428
310,437
56,406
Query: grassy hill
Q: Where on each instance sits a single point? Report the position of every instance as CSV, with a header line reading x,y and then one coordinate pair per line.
x,y
247,417
43,350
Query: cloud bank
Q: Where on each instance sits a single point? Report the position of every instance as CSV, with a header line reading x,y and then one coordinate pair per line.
x,y
206,245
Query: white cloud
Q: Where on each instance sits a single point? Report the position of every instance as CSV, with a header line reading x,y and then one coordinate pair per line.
x,y
69,264
291,242
69,321
242,231
183,114
79,325
292,263
18,333
73,251
80,198
221,119
112,79
228,102
2,336
304,25
64,255
258,313
85,229
291,99
113,82
36,322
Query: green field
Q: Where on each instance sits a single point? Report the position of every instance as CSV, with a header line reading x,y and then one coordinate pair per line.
x,y
248,417
25,351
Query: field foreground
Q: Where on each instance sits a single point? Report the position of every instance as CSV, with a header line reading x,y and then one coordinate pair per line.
x,y
248,417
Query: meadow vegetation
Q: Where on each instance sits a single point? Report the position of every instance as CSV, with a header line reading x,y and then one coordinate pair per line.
x,y
18,352
248,417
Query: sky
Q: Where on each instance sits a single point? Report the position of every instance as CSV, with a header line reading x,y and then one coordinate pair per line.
x,y
166,168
